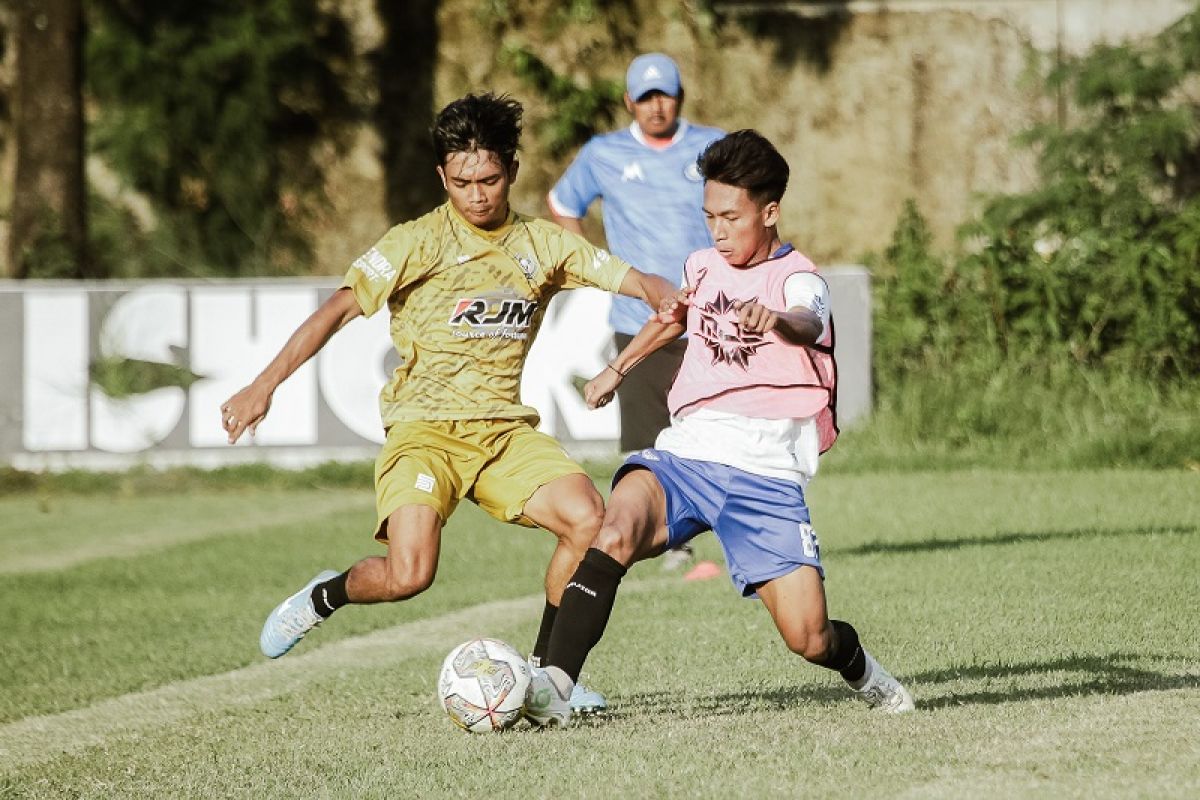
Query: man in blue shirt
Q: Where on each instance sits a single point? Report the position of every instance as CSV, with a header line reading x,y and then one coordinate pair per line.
x,y
652,196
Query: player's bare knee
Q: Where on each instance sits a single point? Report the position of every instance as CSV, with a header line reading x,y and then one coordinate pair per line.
x,y
581,519
616,542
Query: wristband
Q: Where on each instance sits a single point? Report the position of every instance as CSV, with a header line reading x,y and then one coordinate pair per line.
x,y
614,369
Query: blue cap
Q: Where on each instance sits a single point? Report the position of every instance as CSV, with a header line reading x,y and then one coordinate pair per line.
x,y
652,72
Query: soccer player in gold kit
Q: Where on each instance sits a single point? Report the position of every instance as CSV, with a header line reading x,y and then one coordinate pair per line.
x,y
466,286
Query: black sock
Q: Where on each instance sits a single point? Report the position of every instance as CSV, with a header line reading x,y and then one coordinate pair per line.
x,y
549,613
583,613
329,596
847,656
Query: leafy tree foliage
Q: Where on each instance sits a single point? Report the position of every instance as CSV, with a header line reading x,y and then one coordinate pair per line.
x,y
578,112
216,112
582,100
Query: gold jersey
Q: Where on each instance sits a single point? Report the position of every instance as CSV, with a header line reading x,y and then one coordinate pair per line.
x,y
465,306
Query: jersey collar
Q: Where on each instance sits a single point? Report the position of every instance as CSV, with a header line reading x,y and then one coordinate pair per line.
x,y
640,137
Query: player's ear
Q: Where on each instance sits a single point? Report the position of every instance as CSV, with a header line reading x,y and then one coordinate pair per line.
x,y
770,214
442,175
628,103
512,171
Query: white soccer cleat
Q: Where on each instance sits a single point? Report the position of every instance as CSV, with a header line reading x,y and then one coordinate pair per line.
x,y
292,619
548,703
884,692
586,701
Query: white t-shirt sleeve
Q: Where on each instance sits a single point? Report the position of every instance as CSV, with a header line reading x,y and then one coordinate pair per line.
x,y
809,290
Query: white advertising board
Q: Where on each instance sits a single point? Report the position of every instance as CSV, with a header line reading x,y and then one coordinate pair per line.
x,y
54,416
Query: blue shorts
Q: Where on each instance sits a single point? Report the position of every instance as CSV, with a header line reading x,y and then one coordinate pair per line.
x,y
762,523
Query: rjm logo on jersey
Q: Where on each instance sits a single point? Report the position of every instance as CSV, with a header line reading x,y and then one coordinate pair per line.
x,y
487,312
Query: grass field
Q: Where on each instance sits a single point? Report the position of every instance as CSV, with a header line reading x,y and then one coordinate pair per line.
x,y
1045,622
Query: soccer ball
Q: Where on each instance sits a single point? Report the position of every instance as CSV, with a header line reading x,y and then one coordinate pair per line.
x,y
483,684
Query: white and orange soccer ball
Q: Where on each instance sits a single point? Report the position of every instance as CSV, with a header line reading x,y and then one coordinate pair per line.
x,y
483,684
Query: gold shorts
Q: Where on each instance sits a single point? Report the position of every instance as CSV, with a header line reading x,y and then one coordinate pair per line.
x,y
497,464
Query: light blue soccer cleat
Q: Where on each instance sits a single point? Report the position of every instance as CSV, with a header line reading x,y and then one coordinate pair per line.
x,y
586,701
292,619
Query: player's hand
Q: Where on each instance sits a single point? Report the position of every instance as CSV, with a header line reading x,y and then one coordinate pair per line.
x,y
673,309
755,317
599,391
244,411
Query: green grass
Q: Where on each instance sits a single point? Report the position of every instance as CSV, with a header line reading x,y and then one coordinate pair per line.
x,y
1044,621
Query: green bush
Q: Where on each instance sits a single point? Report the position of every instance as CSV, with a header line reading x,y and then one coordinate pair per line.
x,y
1099,262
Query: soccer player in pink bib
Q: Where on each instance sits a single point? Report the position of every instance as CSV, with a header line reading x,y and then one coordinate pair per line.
x,y
752,409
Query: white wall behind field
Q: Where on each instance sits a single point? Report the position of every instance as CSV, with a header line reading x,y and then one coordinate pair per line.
x,y
53,416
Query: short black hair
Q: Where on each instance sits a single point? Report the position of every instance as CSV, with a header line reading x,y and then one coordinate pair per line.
x,y
479,122
747,160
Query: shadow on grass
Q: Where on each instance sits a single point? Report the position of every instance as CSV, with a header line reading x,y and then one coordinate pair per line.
x,y
1113,674
930,545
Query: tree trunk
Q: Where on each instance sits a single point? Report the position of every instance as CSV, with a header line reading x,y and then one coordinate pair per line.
x,y
48,236
405,65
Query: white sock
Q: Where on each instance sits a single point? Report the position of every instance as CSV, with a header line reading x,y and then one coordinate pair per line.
x,y
868,673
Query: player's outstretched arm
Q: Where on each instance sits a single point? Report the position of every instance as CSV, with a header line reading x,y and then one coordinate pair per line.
x,y
246,409
650,288
599,390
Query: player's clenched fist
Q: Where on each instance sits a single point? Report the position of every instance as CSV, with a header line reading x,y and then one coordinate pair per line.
x,y
244,411
599,391
673,309
755,317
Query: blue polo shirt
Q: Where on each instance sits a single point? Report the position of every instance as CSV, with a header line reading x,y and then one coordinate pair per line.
x,y
653,204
